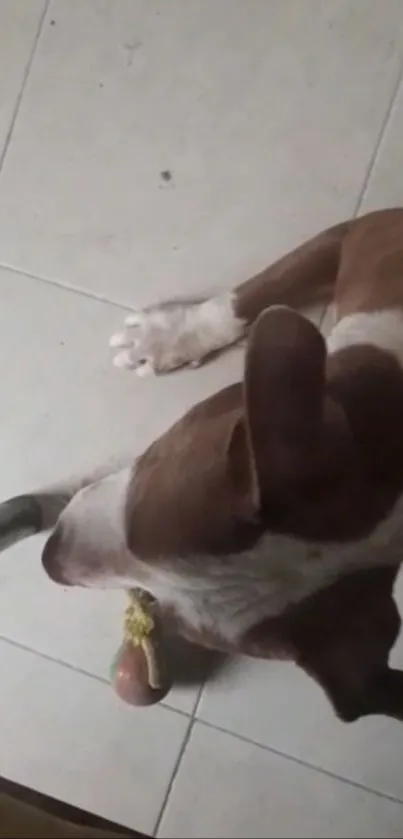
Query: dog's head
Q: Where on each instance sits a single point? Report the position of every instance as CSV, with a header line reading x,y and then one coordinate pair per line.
x,y
274,452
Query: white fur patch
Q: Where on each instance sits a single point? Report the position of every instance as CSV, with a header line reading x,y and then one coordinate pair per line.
x,y
383,329
93,546
230,594
171,335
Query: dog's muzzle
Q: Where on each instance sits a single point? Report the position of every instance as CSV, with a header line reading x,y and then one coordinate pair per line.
x,y
51,558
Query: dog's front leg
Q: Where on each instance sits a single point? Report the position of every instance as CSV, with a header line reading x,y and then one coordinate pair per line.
x,y
343,637
384,695
174,334
377,693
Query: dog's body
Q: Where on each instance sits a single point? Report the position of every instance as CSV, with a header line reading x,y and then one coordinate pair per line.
x,y
268,520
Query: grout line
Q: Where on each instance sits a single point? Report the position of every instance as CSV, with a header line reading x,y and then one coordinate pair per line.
x,y
374,159
80,670
126,306
199,699
312,766
23,85
203,685
20,646
67,287
173,777
192,719
379,142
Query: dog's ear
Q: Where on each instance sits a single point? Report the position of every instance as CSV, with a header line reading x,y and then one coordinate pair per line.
x,y
241,470
290,423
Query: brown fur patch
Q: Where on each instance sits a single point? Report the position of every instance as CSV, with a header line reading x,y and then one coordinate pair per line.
x,y
371,265
357,264
305,276
184,498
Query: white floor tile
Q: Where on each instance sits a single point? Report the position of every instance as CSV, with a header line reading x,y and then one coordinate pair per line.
x,y
19,22
265,116
227,787
275,704
64,407
67,735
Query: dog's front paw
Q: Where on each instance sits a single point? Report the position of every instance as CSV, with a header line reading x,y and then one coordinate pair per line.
x,y
162,338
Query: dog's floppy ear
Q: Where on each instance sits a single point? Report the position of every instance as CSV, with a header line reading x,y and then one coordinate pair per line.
x,y
242,472
286,410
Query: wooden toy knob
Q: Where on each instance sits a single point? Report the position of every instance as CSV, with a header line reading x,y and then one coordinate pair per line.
x,y
139,674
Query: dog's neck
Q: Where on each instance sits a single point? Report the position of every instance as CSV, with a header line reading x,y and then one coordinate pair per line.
x,y
365,374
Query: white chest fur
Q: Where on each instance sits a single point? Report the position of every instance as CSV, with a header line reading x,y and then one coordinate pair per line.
x,y
230,594
226,594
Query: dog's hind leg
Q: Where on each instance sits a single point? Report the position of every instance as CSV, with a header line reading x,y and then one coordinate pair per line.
x,y
174,334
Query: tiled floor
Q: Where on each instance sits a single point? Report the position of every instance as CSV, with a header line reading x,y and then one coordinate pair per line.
x,y
274,118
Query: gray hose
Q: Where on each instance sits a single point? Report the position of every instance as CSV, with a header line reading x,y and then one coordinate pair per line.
x,y
19,517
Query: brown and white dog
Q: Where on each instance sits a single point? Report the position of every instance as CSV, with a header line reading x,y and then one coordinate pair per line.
x,y
269,519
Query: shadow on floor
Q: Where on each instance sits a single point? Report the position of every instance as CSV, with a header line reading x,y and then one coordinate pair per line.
x,y
192,665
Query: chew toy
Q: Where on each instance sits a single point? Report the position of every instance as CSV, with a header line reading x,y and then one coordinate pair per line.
x,y
139,673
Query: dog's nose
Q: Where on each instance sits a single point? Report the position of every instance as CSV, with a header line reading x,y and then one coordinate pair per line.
x,y
51,559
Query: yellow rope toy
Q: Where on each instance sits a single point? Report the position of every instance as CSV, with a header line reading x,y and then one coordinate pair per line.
x,y
138,622
138,626
139,671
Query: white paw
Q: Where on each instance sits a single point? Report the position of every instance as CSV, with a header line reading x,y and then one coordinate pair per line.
x,y
162,338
